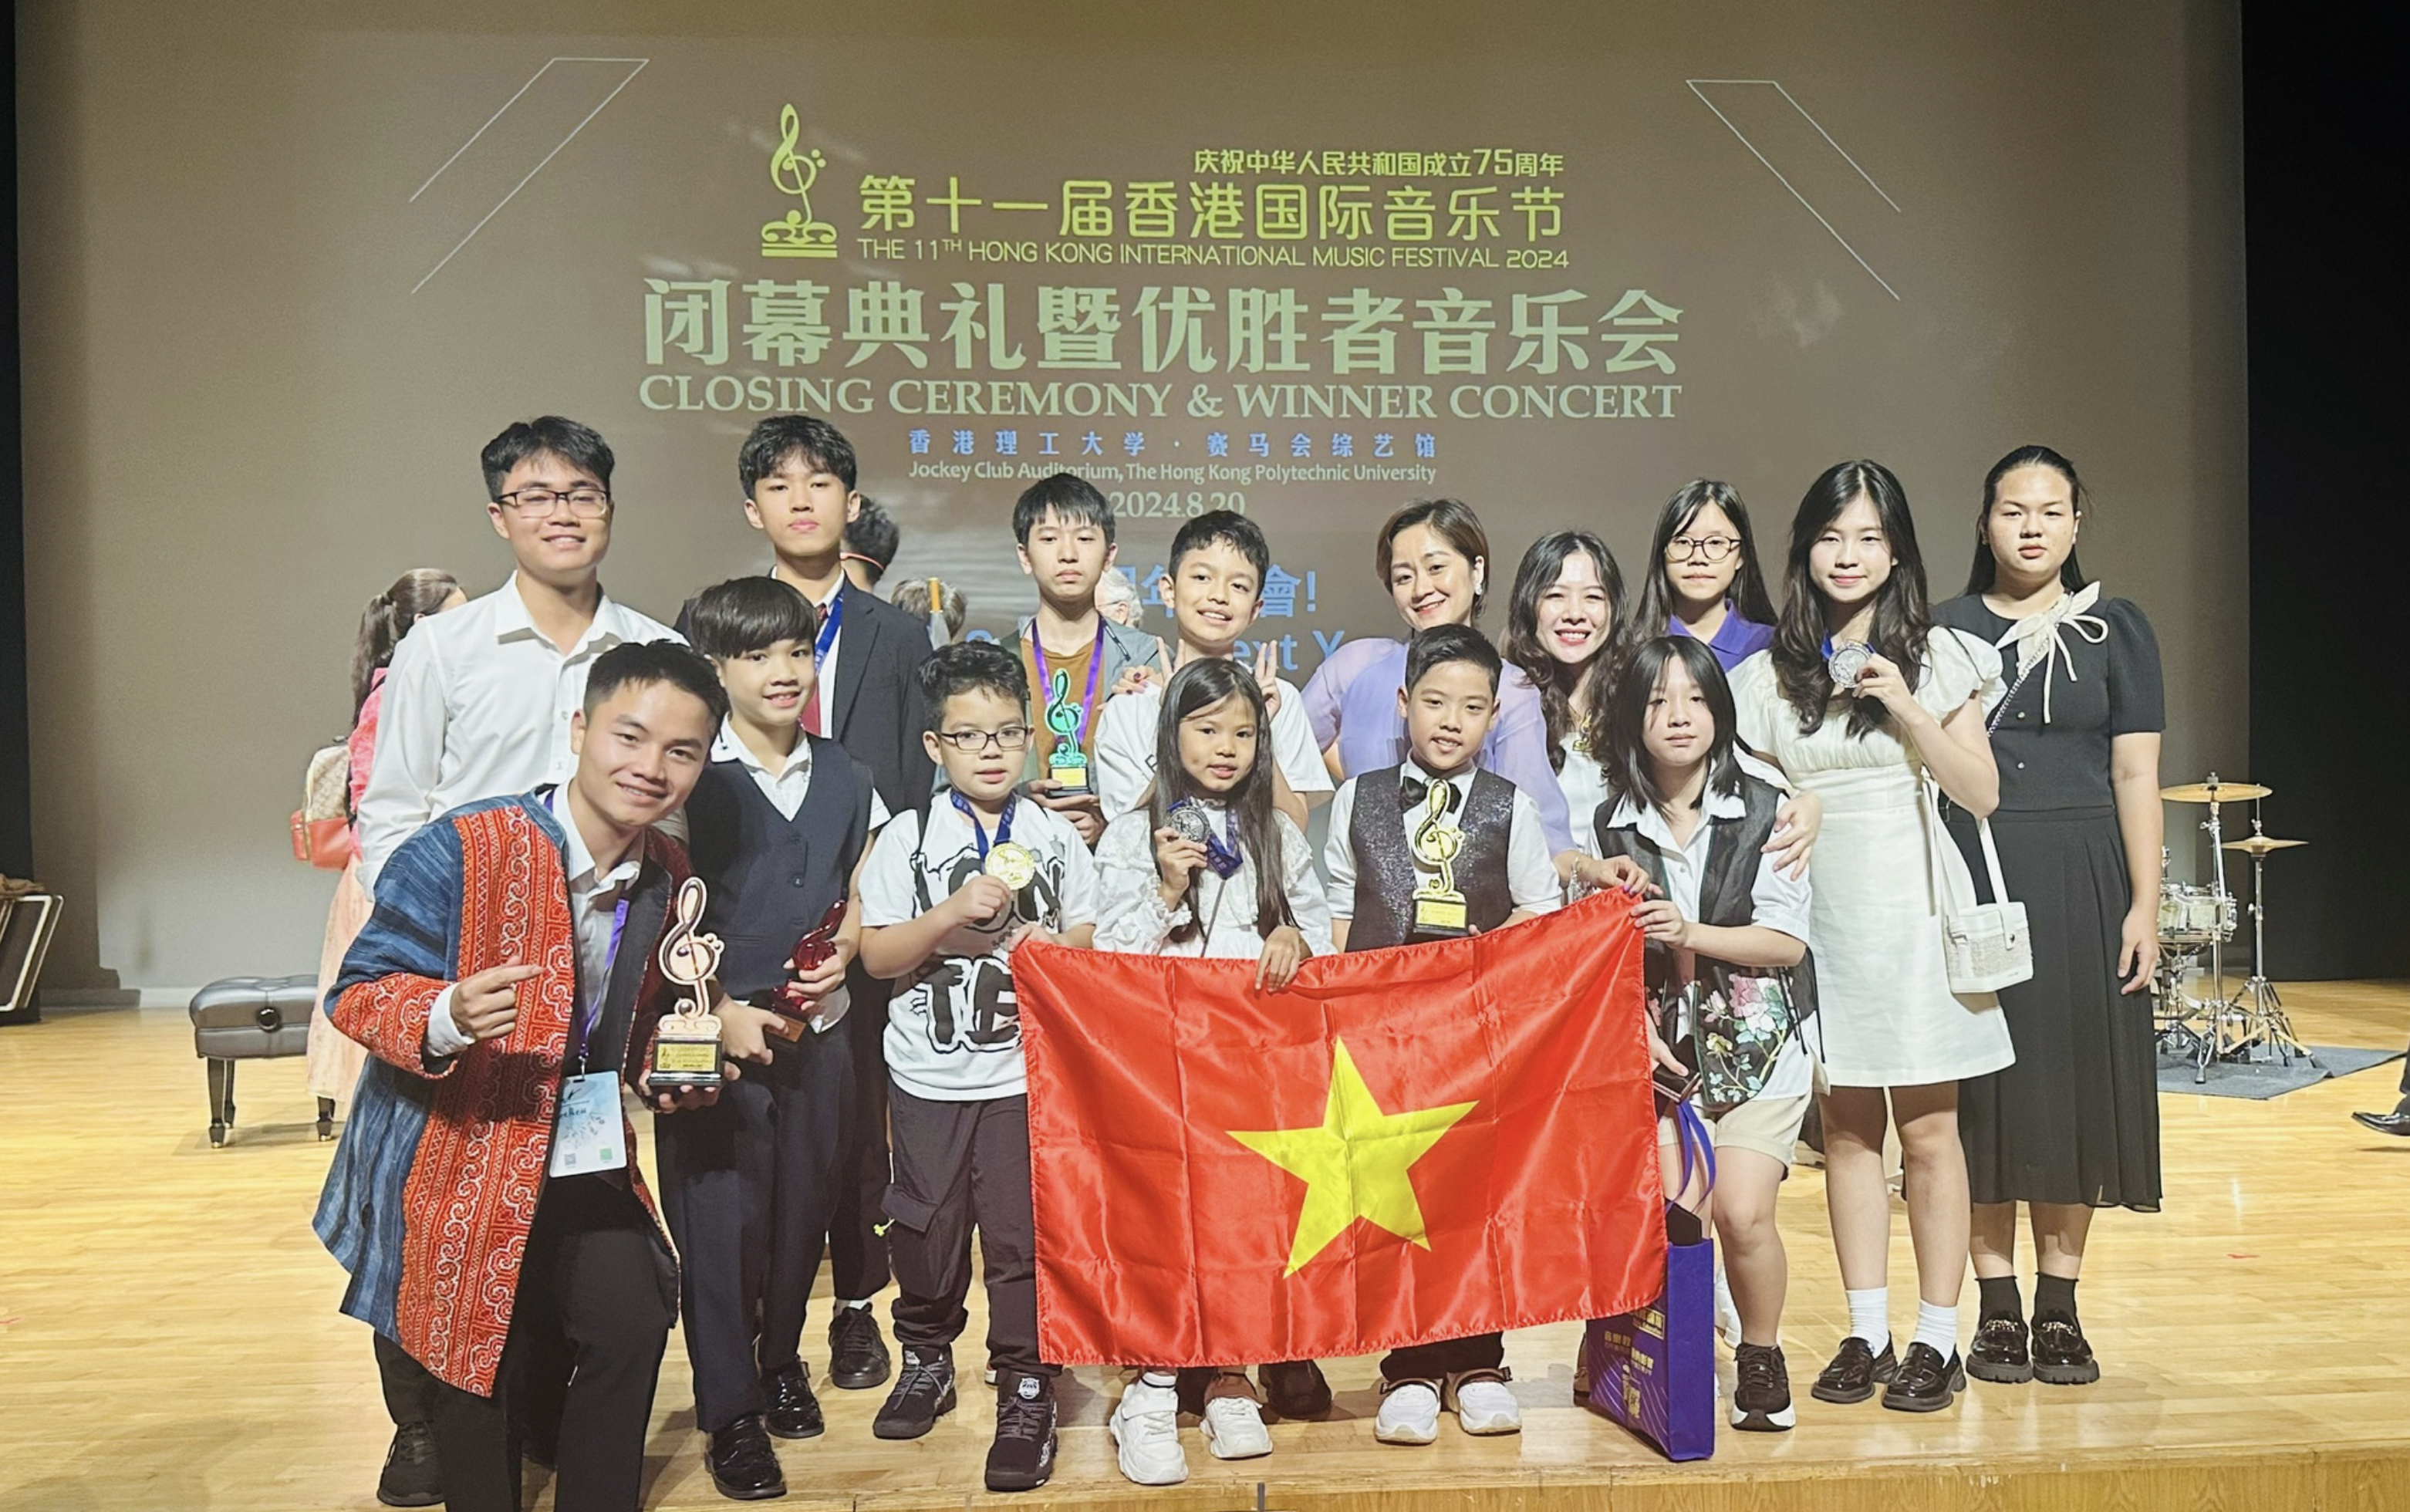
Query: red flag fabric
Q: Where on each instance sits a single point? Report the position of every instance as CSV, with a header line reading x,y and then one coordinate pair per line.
x,y
1406,1145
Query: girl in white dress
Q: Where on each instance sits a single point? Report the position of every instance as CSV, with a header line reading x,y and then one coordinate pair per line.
x,y
1245,889
1895,1040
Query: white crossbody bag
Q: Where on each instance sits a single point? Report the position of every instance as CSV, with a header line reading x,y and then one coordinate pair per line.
x,y
1984,946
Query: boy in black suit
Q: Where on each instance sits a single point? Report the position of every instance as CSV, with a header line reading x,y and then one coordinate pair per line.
x,y
798,476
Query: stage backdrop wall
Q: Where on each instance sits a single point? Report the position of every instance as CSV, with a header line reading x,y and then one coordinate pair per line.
x,y
284,273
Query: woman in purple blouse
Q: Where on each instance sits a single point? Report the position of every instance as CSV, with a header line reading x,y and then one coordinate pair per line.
x,y
1704,581
1434,557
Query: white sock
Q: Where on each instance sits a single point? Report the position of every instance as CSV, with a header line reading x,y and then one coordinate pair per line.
x,y
865,1303
1937,1327
1871,1316
1157,1378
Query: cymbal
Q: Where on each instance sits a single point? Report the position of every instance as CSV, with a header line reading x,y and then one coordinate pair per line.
x,y
2259,844
2222,792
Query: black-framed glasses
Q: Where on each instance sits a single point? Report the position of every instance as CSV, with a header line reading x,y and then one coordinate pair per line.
x,y
584,503
1713,547
971,742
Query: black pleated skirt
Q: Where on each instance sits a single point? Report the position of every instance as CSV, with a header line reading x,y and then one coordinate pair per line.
x,y
2076,1119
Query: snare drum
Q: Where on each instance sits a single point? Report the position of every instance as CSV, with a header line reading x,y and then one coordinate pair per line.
x,y
2194,915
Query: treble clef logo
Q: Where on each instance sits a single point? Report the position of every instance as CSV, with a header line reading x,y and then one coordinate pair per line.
x,y
1062,715
798,234
688,956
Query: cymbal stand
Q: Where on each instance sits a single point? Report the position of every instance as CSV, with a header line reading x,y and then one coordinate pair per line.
x,y
2212,1040
2255,1006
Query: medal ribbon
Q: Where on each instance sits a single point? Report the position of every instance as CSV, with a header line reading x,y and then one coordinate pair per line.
x,y
1003,822
1046,679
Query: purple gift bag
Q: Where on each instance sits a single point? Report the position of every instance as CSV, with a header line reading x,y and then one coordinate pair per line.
x,y
1654,1370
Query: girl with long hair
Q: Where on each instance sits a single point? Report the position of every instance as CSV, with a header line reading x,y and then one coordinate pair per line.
x,y
1562,624
1704,579
1207,868
2073,1124
1906,715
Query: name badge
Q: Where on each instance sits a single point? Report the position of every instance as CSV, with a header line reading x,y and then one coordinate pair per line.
x,y
589,1134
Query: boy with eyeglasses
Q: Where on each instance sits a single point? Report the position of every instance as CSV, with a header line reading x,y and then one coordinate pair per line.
x,y
947,895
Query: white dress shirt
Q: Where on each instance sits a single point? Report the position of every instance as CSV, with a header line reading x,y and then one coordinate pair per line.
x,y
1776,901
1530,870
593,909
477,705
1131,918
786,787
1125,733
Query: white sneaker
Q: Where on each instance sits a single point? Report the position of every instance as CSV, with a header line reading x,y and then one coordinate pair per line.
x,y
1409,1414
1484,1404
1234,1429
1146,1430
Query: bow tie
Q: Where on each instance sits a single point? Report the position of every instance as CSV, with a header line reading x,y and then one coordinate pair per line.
x,y
1414,792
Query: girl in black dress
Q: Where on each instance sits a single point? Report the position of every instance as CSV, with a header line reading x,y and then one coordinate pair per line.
x,y
2074,1124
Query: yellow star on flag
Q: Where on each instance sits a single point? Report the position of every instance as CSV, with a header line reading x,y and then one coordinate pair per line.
x,y
1355,1163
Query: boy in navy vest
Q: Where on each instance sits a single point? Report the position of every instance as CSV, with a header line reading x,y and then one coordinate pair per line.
x,y
775,826
1384,892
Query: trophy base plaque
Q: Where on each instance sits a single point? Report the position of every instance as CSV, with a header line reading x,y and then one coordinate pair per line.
x,y
685,1060
1440,918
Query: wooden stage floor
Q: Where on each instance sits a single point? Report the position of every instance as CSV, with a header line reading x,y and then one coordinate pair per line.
x,y
169,1337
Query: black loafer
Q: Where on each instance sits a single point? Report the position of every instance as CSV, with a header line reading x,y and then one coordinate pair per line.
x,y
1295,1389
412,1477
857,1355
741,1464
1998,1354
2062,1356
1855,1373
2396,1122
1926,1382
794,1412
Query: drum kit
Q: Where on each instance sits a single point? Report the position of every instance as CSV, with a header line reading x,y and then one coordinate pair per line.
x,y
2195,920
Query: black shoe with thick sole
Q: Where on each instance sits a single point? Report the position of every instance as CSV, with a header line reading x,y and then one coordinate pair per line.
x,y
412,1477
1926,1382
743,1465
1295,1388
1022,1459
1998,1354
857,1355
2062,1356
794,1412
925,1392
1761,1401
1855,1373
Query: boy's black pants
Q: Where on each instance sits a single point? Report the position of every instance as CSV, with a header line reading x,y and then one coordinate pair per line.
x,y
750,1185
856,1251
960,1165
1437,1361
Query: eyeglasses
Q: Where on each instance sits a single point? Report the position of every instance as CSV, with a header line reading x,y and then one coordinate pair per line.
x,y
1713,547
584,503
971,742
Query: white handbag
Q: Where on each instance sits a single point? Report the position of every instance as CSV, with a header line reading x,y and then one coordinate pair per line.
x,y
1984,946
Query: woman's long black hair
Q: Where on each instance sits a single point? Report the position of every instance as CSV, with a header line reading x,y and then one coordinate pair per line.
x,y
1555,680
1903,619
1200,684
1987,570
1624,756
1653,607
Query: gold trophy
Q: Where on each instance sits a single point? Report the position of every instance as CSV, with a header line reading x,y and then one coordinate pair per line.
x,y
1439,907
686,1049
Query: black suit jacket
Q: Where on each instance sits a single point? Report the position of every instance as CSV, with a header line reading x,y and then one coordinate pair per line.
x,y
877,709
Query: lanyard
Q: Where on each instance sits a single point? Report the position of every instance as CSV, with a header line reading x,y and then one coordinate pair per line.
x,y
582,1022
1046,683
823,646
978,836
1222,850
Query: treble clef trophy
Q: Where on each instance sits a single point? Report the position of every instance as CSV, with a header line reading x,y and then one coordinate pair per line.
x,y
1439,907
799,233
1067,763
686,1050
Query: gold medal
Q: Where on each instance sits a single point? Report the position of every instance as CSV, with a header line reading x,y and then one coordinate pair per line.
x,y
1013,865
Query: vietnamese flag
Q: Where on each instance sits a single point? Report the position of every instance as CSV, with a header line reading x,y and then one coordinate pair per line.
x,y
1406,1145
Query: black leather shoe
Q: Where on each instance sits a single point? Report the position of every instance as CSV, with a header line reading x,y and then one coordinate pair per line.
x,y
1855,1373
2062,1356
857,1355
794,1412
1295,1388
1925,1381
1998,1354
412,1477
924,1393
1022,1459
741,1464
2397,1121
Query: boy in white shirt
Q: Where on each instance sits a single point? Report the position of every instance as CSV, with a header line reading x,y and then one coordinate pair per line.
x,y
1216,586
946,896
